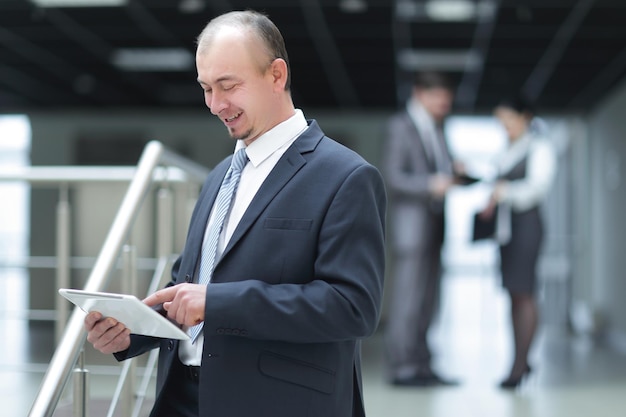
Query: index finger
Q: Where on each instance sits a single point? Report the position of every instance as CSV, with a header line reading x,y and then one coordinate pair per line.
x,y
161,296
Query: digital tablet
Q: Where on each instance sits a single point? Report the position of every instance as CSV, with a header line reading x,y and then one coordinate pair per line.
x,y
483,229
127,309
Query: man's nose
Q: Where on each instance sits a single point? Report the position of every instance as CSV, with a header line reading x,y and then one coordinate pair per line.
x,y
216,103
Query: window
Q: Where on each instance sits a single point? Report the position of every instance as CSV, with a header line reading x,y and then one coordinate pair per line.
x,y
15,138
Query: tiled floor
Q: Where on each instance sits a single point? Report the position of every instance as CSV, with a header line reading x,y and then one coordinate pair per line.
x,y
572,377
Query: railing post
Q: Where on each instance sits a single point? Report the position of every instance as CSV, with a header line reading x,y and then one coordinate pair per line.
x,y
81,387
192,198
129,286
63,259
165,224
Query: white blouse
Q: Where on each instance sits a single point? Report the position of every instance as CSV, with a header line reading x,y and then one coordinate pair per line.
x,y
527,192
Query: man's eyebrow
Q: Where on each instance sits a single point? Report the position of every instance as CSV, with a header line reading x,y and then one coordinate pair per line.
x,y
219,80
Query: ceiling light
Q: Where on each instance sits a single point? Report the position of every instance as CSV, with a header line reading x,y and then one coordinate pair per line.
x,y
445,10
191,6
450,10
153,59
438,60
79,3
353,6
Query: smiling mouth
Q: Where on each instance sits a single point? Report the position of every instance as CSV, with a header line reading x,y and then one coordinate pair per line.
x,y
230,119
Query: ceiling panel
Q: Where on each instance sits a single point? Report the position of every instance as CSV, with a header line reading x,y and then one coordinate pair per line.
x,y
567,54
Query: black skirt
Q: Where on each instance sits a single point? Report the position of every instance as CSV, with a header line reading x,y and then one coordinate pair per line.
x,y
518,258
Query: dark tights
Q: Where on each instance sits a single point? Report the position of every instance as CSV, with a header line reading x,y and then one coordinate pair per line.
x,y
525,316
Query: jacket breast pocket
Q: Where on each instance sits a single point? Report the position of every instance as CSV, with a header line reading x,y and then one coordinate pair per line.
x,y
297,372
288,224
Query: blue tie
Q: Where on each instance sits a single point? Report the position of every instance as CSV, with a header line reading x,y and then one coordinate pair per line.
x,y
221,209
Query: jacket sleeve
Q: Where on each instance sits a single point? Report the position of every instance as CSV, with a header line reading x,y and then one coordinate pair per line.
x,y
403,174
138,345
529,191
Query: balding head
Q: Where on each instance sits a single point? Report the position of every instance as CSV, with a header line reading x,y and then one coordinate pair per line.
x,y
255,25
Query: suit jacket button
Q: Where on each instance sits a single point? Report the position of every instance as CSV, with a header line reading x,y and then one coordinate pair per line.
x,y
170,345
219,331
188,278
243,332
235,332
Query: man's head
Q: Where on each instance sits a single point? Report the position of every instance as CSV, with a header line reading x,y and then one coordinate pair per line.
x,y
435,93
243,69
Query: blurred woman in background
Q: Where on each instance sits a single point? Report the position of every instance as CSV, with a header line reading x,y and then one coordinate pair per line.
x,y
525,175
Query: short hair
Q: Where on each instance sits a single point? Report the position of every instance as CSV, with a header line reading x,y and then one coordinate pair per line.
x,y
259,24
431,79
519,103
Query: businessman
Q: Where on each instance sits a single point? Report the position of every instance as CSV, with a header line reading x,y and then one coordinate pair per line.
x,y
419,171
278,295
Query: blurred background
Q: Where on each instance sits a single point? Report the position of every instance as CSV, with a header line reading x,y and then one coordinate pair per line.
x,y
87,84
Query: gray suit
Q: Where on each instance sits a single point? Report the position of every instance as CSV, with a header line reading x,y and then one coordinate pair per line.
x,y
416,237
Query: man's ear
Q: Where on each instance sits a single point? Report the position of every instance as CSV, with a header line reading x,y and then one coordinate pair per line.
x,y
278,69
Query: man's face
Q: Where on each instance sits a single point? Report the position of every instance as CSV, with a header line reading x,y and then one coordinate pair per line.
x,y
238,84
437,101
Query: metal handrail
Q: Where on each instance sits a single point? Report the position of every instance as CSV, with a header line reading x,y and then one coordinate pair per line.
x,y
54,175
73,338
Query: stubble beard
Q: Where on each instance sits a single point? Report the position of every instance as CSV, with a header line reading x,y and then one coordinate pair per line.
x,y
243,136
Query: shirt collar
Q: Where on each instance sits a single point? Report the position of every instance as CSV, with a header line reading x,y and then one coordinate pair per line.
x,y
515,152
419,115
521,144
272,140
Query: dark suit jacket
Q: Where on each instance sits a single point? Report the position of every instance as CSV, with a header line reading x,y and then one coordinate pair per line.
x,y
299,284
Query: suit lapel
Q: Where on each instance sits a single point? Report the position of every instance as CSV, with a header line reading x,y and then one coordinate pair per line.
x,y
417,137
288,165
196,235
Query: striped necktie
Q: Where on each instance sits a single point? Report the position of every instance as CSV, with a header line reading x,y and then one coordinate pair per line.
x,y
221,208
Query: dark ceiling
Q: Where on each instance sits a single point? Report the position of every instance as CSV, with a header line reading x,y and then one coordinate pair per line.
x,y
565,54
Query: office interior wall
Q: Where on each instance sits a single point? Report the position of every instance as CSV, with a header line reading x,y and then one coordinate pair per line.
x,y
580,310
557,258
607,149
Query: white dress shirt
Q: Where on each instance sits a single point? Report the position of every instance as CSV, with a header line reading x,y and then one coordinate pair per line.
x,y
430,136
524,193
528,192
263,154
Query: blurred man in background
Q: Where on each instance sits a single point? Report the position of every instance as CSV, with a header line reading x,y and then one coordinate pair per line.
x,y
419,172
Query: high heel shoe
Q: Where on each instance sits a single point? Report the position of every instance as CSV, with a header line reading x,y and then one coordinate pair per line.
x,y
514,381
